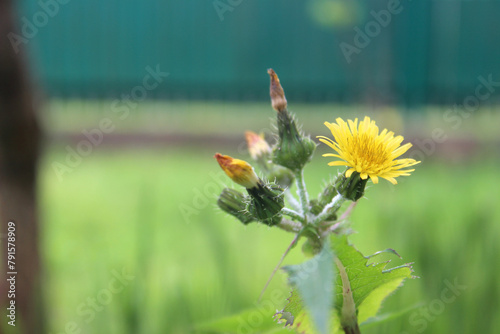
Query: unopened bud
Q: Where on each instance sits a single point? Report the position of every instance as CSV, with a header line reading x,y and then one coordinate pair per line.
x,y
234,203
326,196
238,170
278,99
266,203
257,146
293,149
265,200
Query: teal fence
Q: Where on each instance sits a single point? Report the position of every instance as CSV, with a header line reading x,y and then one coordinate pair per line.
x,y
409,52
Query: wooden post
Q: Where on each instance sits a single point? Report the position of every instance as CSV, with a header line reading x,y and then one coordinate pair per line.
x,y
19,150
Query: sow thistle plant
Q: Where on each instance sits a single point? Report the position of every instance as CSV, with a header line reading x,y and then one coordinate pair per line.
x,y
337,289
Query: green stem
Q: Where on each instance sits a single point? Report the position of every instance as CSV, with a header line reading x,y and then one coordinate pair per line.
x,y
303,195
333,206
290,226
292,200
292,214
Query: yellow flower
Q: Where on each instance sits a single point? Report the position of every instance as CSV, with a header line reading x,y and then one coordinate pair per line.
x,y
257,146
239,171
366,151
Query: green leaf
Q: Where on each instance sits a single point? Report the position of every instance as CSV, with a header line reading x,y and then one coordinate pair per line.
x,y
294,315
363,289
389,316
370,283
251,321
314,281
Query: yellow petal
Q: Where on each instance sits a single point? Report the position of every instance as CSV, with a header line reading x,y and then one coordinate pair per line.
x,y
338,163
349,172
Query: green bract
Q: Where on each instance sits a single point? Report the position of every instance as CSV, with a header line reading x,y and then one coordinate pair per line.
x,y
266,202
293,149
234,203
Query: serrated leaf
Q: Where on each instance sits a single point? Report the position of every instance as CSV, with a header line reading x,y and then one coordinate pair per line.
x,y
252,321
314,281
368,285
294,315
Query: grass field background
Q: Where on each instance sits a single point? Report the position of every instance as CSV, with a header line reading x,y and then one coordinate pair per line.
x,y
149,211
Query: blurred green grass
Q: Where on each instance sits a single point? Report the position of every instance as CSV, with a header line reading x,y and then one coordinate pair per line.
x,y
123,209
229,119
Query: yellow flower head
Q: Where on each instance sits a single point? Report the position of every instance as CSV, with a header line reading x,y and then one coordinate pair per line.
x,y
366,151
238,170
257,146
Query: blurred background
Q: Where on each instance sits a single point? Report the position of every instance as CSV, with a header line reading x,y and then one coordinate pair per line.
x,y
133,99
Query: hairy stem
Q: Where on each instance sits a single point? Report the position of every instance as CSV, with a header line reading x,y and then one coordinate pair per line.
x,y
292,200
290,226
303,195
292,214
333,206
333,226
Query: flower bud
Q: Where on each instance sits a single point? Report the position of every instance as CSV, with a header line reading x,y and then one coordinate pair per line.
x,y
293,149
352,187
278,99
235,203
317,207
266,202
324,198
328,193
313,244
257,146
261,152
238,170
310,248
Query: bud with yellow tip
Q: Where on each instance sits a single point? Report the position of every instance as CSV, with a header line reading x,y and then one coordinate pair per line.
x,y
266,200
239,171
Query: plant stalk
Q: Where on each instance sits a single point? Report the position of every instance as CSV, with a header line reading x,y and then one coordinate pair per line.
x,y
333,206
303,195
292,214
